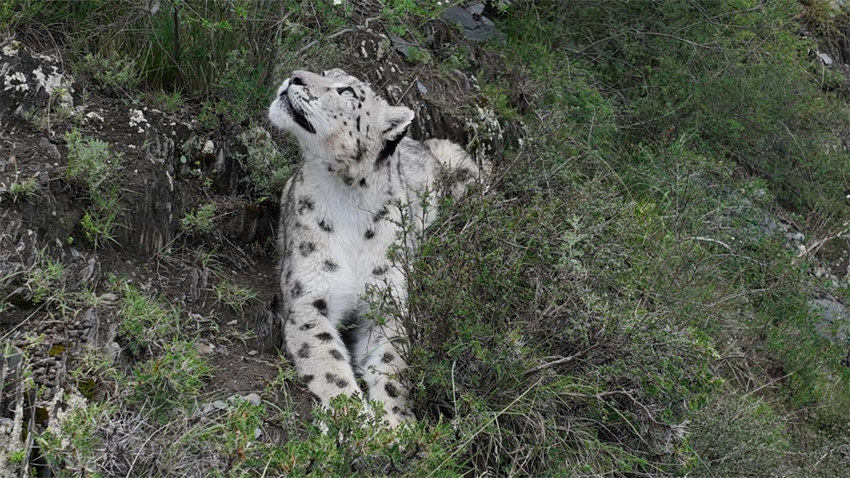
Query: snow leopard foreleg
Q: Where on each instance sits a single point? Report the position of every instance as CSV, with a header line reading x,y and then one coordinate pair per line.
x,y
318,352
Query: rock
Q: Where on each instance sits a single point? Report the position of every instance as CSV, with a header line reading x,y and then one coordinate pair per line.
x,y
50,149
252,398
198,279
28,82
835,323
112,351
43,178
209,148
474,25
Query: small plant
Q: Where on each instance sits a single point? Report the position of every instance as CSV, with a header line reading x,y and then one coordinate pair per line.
x,y
208,117
148,324
417,56
169,102
45,280
17,457
59,110
112,70
91,163
23,190
234,296
89,160
101,220
268,168
71,442
200,221
171,379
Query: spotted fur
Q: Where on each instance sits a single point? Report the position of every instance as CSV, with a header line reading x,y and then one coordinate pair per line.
x,y
360,180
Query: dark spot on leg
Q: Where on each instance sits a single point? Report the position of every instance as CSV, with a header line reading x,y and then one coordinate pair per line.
x,y
305,203
348,180
335,354
297,290
379,271
330,265
308,326
321,306
304,351
308,378
324,336
358,123
387,357
396,410
326,226
333,378
288,276
369,234
362,182
306,248
391,390
359,155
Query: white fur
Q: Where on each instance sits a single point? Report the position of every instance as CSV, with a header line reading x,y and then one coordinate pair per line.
x,y
340,214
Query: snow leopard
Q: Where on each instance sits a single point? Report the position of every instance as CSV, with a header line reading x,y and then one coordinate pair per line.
x,y
362,190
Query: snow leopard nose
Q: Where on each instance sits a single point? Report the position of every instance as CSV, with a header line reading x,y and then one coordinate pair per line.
x,y
307,78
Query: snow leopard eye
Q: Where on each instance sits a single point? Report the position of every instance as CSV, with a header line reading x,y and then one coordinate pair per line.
x,y
346,91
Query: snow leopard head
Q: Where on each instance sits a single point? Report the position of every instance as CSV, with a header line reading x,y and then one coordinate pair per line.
x,y
339,119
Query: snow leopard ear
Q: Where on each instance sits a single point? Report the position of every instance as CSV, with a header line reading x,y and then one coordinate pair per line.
x,y
396,120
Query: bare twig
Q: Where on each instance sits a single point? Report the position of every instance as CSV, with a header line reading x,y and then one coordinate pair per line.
x,y
557,362
313,43
713,241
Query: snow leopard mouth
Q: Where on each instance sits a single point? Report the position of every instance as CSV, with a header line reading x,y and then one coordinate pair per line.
x,y
298,115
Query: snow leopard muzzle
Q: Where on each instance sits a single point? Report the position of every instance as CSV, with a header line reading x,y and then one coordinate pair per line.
x,y
298,115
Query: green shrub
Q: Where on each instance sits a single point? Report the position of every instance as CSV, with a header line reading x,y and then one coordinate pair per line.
x,y
147,324
23,190
234,296
171,379
267,166
92,164
112,70
199,221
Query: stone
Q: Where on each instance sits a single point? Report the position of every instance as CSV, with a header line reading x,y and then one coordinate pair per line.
x,y
474,25
209,148
50,149
252,398
835,320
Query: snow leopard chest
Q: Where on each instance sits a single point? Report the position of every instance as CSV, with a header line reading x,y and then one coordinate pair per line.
x,y
338,235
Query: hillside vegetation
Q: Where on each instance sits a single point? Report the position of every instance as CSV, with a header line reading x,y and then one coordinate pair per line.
x,y
652,285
